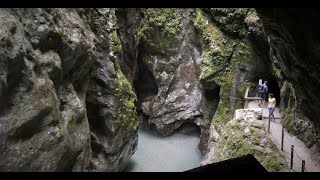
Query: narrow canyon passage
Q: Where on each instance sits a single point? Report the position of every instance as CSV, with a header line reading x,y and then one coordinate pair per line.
x,y
157,89
175,153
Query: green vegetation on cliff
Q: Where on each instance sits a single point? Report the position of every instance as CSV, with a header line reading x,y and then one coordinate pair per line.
x,y
117,47
161,29
217,49
125,96
276,71
241,138
223,57
287,93
216,54
231,20
126,110
223,110
243,54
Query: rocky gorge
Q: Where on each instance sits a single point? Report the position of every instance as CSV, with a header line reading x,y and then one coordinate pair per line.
x,y
76,85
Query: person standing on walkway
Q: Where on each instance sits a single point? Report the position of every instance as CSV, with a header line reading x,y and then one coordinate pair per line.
x,y
263,93
271,105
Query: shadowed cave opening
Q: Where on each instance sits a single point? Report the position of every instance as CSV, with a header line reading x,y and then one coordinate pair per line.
x,y
145,84
273,86
189,129
212,94
212,98
264,70
146,88
211,102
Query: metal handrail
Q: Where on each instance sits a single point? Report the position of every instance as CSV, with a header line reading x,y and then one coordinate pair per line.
x,y
303,168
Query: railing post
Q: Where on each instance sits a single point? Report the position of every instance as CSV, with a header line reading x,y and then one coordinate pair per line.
x,y
291,159
282,137
303,165
269,125
245,98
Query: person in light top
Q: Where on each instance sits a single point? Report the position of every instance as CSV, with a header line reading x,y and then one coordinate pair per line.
x,y
271,105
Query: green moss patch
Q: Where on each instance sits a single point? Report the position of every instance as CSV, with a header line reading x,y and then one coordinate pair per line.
x,y
117,47
276,71
161,30
126,110
287,122
243,54
235,142
217,48
231,20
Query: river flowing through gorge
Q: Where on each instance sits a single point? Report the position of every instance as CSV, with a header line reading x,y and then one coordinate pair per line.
x,y
175,153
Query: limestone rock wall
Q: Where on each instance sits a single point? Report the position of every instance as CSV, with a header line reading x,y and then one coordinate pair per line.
x,y
65,105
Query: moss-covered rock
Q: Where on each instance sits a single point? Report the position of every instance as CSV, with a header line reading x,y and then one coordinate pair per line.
x,y
277,72
126,110
224,60
116,47
222,114
289,103
229,60
243,55
160,31
215,62
287,122
293,118
244,135
217,48
231,20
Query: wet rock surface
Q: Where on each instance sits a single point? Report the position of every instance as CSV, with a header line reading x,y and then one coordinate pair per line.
x,y
60,92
